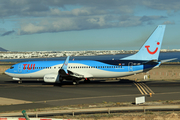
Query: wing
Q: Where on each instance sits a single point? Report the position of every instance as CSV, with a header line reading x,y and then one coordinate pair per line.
x,y
63,70
67,73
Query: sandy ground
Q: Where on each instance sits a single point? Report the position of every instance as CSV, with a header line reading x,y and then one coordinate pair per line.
x,y
8,101
133,116
172,116
3,68
164,72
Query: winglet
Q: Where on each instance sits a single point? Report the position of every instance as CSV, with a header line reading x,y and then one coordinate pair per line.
x,y
65,65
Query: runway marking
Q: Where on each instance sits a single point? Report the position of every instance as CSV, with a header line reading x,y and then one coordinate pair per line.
x,y
139,89
169,93
83,98
17,85
9,101
143,88
26,85
149,89
167,85
92,85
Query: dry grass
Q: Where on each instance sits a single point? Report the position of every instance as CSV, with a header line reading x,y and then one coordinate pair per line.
x,y
126,116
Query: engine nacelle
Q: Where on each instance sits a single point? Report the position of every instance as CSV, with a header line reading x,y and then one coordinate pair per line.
x,y
51,78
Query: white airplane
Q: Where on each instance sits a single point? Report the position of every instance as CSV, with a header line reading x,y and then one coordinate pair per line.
x,y
75,70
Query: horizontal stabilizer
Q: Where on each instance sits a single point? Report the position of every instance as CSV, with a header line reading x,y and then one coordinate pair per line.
x,y
167,60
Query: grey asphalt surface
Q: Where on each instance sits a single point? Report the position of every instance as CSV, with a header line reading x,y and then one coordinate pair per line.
x,y
44,95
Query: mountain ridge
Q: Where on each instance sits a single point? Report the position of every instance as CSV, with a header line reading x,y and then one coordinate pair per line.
x,y
2,49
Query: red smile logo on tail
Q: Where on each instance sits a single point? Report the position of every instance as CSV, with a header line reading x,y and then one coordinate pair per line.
x,y
147,47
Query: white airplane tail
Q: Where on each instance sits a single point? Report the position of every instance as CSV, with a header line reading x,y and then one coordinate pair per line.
x,y
151,48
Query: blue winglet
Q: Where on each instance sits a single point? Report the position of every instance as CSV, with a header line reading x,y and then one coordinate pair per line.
x,y
65,65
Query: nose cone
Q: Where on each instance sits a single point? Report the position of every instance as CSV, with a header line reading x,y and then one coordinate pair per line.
x,y
7,72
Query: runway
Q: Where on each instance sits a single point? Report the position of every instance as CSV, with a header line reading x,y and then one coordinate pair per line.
x,y
37,94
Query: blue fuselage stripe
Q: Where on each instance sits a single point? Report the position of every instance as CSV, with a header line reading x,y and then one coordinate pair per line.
x,y
106,65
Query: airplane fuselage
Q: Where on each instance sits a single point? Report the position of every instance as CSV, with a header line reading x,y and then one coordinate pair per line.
x,y
55,71
83,68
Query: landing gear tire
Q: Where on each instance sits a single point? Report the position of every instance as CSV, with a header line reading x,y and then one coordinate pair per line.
x,y
75,82
19,82
60,80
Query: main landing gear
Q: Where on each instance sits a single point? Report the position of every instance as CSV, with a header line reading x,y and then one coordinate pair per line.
x,y
87,80
75,82
60,80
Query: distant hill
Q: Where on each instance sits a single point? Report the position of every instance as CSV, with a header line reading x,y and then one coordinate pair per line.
x,y
2,49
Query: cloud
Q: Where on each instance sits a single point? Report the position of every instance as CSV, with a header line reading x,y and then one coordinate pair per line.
x,y
162,4
8,33
59,24
168,23
2,30
44,16
50,7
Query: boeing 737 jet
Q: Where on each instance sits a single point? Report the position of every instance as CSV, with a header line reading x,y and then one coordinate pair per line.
x,y
57,71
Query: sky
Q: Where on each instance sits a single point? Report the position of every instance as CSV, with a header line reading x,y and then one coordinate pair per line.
x,y
78,25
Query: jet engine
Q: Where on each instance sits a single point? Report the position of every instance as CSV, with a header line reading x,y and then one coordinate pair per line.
x,y
51,78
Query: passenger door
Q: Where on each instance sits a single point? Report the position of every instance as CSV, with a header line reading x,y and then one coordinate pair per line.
x,y
19,68
130,66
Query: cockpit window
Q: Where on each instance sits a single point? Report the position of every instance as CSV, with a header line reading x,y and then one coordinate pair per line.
x,y
11,67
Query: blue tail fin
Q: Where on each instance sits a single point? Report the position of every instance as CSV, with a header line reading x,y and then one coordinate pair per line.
x,y
151,48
